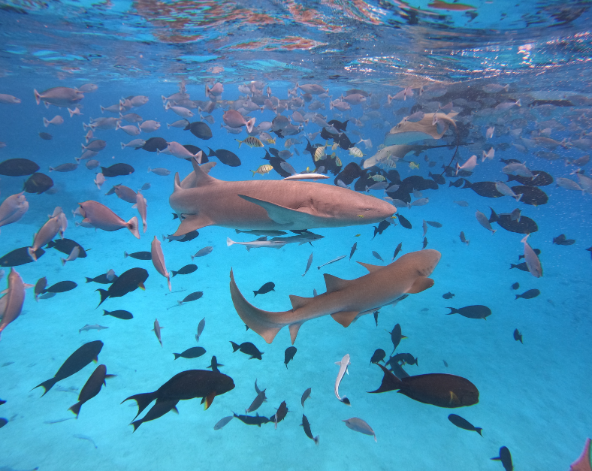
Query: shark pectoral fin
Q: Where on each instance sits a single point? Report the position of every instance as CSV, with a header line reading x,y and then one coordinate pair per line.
x,y
345,318
281,214
370,268
421,284
192,222
294,328
299,301
335,284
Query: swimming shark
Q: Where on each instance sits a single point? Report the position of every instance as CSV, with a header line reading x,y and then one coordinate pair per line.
x,y
201,200
345,300
406,132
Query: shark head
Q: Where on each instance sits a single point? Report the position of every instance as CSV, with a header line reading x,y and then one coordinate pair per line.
x,y
354,208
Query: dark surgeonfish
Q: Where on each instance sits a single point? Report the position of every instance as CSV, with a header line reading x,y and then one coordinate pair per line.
x,y
37,183
438,389
472,312
396,336
540,179
226,157
531,195
186,385
486,189
214,364
117,170
139,255
280,414
91,388
66,246
74,363
518,336
506,458
306,425
103,279
193,352
61,287
119,314
200,130
252,420
127,282
19,257
464,424
378,356
562,240
266,288
289,355
524,225
247,348
153,144
186,270
531,293
382,226
18,167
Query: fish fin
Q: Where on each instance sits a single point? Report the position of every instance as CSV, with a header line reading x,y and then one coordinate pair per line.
x,y
421,284
345,318
256,319
104,295
76,408
334,283
209,399
143,401
192,222
389,382
294,328
132,225
283,215
299,301
370,268
47,385
201,175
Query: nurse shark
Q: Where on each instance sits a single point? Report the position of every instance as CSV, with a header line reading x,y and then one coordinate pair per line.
x,y
345,300
201,200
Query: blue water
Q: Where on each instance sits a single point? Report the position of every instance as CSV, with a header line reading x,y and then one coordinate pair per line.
x,y
534,397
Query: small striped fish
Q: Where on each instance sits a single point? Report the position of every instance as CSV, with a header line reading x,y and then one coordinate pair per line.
x,y
251,141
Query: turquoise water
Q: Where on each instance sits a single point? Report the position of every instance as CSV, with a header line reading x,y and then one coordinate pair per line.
x,y
533,396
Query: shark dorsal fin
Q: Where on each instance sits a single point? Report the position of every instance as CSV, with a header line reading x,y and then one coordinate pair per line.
x,y
370,268
345,318
299,301
201,173
177,182
334,283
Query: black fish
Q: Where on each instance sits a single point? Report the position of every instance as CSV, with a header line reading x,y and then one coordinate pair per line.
x,y
280,413
66,246
524,225
517,336
194,150
185,238
18,167
562,240
349,173
463,238
91,388
439,179
19,257
102,279
590,250
531,195
214,364
398,249
193,352
378,355
289,355
38,183
2,402
396,336
153,144
353,249
521,266
486,189
434,224
3,422
338,125
531,293
74,363
120,314
186,385
266,288
464,424
192,297
226,157
404,222
117,170
200,130
139,255
160,408
127,282
516,285
61,287
506,458
448,295
185,270
276,163
375,314
247,348
45,136
425,243
440,390
457,184
541,179
382,226
403,359
306,424
252,420
471,312
343,141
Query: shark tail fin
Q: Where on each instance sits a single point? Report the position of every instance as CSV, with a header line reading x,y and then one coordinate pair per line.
x,y
389,382
256,319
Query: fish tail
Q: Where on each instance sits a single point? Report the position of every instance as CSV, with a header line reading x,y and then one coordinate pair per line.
x,y
389,382
32,254
37,96
104,295
211,153
235,346
494,217
175,272
453,310
262,322
255,293
132,225
250,124
88,280
177,355
517,296
143,401
47,385
316,440
239,143
76,408
479,430
137,423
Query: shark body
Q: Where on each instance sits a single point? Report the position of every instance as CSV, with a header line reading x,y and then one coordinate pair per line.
x,y
345,300
202,200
